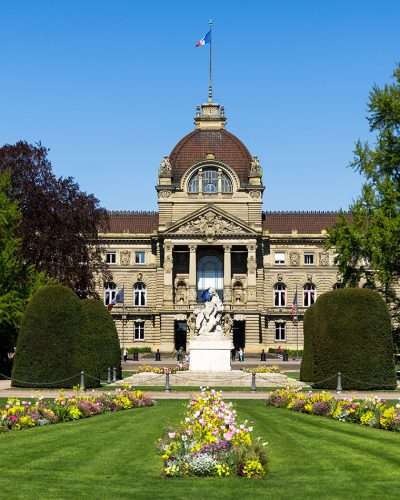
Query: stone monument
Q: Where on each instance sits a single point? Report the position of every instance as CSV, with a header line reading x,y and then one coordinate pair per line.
x,y
210,344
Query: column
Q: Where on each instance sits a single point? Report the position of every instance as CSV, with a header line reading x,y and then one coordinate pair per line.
x,y
251,273
227,274
192,274
168,273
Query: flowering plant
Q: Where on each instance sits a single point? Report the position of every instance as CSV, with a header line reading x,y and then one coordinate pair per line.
x,y
371,412
210,442
18,414
263,369
160,369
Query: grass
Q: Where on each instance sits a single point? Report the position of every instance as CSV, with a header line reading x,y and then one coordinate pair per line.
x,y
113,456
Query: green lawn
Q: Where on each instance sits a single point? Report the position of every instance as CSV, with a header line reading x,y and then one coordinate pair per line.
x,y
113,457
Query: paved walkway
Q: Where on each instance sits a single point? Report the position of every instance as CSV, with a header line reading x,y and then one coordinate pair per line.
x,y
6,391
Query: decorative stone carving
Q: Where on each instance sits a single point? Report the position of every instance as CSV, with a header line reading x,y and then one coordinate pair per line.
x,y
168,263
309,278
191,324
139,277
294,258
255,194
279,277
165,194
209,225
125,257
228,324
324,259
255,168
251,264
180,292
165,167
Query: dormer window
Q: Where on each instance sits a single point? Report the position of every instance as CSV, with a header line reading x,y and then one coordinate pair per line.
x,y
210,180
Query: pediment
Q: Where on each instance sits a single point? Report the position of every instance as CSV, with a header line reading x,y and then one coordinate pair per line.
x,y
210,223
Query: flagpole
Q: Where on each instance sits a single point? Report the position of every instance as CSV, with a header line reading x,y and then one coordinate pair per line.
x,y
210,91
297,327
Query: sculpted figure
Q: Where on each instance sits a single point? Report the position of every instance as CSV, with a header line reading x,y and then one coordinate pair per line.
x,y
208,319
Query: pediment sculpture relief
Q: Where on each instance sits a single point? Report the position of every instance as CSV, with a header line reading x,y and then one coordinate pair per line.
x,y
210,225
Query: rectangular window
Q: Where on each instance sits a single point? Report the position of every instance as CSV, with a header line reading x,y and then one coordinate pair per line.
x,y
280,331
139,330
139,257
279,258
308,258
111,257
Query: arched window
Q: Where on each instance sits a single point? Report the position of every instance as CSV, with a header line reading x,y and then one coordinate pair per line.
x,y
337,285
280,295
309,294
110,292
210,180
139,294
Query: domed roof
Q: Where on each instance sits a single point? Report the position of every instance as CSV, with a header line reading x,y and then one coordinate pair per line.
x,y
223,145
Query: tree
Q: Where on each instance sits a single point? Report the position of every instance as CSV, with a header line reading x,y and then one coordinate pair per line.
x,y
60,223
18,279
368,243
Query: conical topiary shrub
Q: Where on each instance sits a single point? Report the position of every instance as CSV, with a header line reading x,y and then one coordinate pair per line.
x,y
349,332
99,347
49,334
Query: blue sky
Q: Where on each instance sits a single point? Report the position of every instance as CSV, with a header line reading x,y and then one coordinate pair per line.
x,y
110,87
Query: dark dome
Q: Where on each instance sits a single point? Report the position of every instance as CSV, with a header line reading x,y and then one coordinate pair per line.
x,y
225,147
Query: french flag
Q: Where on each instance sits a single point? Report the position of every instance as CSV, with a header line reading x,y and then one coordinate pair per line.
x,y
206,39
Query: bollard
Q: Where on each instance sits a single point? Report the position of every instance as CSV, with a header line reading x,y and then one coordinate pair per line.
x,y
339,383
167,384
114,379
82,385
108,375
253,382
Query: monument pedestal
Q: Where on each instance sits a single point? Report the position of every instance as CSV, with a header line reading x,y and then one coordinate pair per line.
x,y
210,353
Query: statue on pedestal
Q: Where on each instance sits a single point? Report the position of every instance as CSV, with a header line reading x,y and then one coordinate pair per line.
x,y
208,319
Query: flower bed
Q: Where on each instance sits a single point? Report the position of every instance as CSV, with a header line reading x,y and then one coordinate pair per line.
x,y
263,369
18,414
160,369
370,412
209,442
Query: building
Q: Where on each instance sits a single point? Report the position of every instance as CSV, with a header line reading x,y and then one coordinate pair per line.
x,y
210,230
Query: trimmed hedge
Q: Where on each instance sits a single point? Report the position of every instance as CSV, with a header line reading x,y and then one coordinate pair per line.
x,y
49,332
100,347
306,368
349,331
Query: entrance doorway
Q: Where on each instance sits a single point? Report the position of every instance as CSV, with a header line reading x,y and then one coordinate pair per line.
x,y
180,335
239,334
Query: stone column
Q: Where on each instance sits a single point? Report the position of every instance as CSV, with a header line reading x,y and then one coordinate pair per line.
x,y
227,274
251,273
192,274
168,273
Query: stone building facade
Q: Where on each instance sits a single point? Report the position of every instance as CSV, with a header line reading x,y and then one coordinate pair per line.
x,y
210,230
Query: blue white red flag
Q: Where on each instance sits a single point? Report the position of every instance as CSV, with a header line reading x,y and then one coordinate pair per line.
x,y
206,39
118,299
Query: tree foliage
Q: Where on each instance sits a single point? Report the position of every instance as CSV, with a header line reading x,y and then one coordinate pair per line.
x,y
18,280
368,243
60,223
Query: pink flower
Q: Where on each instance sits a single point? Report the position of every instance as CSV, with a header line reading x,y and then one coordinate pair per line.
x,y
228,435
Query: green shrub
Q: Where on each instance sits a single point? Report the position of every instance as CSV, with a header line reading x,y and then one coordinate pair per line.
x,y
291,352
48,336
100,344
306,368
350,333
